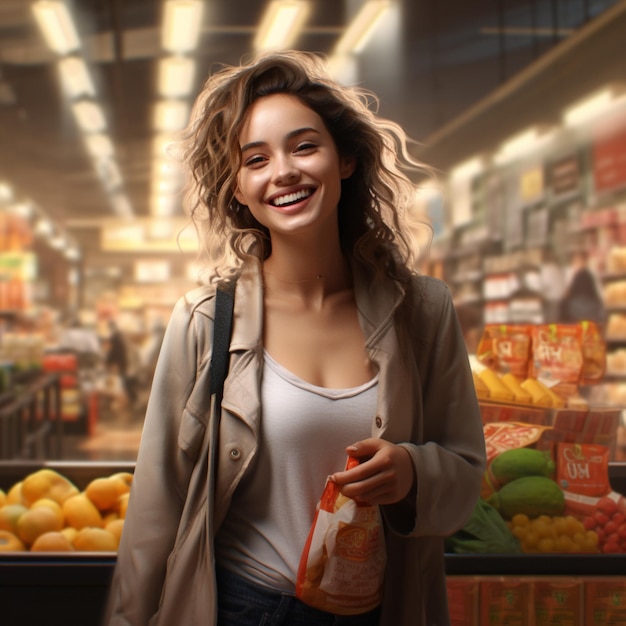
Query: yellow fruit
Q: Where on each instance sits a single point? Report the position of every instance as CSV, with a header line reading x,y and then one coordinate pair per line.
x,y
36,522
69,533
52,542
127,477
53,505
104,492
95,540
80,512
115,527
14,496
10,543
122,505
47,483
9,515
3,498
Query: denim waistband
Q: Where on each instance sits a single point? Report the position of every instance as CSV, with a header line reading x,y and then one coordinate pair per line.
x,y
243,602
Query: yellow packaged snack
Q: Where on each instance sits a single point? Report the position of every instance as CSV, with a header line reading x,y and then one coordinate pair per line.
x,y
497,389
514,385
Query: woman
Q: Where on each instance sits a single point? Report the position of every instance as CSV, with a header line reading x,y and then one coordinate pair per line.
x,y
337,348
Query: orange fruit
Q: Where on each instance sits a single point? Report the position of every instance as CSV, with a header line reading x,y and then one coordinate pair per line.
x,y
69,533
36,522
127,477
104,492
115,527
47,483
10,543
122,505
95,540
9,515
14,495
51,504
80,512
54,541
3,498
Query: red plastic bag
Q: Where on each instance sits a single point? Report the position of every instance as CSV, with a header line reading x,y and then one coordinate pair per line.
x,y
342,566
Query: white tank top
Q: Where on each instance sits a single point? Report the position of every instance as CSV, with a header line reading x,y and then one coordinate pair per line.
x,y
304,432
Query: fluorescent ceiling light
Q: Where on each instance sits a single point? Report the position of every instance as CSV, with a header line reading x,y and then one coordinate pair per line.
x,y
56,25
343,68
176,75
467,169
592,107
521,144
43,227
170,115
75,77
362,27
6,193
89,116
121,205
281,24
99,146
182,22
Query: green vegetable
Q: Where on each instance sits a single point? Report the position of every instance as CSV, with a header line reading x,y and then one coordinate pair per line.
x,y
518,462
484,533
531,495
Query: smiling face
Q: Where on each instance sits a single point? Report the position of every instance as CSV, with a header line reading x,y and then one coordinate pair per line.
x,y
290,174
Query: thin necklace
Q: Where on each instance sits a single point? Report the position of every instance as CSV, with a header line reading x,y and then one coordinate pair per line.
x,y
294,282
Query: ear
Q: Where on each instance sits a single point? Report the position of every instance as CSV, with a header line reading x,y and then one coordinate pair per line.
x,y
347,166
239,196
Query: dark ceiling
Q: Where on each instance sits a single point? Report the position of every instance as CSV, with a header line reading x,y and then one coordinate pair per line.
x,y
448,56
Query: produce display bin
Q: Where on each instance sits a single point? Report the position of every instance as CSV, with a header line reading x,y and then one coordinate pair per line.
x,y
70,589
62,589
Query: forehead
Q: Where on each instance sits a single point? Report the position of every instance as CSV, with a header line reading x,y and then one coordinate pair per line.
x,y
277,113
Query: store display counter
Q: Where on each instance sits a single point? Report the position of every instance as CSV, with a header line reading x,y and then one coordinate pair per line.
x,y
71,589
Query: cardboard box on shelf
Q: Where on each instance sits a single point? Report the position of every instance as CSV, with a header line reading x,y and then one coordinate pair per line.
x,y
605,601
505,601
463,600
558,602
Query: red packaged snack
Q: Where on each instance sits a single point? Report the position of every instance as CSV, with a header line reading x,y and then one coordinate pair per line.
x,y
506,348
342,565
557,354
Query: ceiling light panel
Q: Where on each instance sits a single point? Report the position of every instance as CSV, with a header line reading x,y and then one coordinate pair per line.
x,y
362,27
281,24
170,115
56,25
75,77
182,24
176,76
99,146
89,116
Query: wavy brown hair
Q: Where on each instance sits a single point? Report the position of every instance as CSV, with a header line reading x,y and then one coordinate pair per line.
x,y
374,208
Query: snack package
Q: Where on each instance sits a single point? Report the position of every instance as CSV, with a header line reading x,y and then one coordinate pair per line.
x,y
505,348
594,353
342,565
557,353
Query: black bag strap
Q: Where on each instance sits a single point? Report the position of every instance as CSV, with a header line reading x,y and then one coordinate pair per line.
x,y
222,327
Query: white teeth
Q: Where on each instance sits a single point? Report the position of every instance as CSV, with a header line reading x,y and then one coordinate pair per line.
x,y
291,197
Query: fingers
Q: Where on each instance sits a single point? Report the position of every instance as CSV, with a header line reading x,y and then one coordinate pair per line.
x,y
385,477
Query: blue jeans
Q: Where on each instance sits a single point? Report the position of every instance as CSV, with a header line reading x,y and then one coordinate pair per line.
x,y
242,603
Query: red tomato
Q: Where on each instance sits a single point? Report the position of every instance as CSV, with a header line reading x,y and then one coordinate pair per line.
x,y
607,505
622,531
589,523
611,527
611,548
618,518
601,518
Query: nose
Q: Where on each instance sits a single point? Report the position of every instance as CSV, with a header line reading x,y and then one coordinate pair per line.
x,y
286,172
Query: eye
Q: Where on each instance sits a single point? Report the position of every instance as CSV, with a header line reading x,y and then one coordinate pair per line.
x,y
255,160
306,147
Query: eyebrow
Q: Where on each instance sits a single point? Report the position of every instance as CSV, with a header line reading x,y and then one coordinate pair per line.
x,y
290,135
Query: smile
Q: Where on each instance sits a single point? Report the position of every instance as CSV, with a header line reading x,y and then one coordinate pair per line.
x,y
291,198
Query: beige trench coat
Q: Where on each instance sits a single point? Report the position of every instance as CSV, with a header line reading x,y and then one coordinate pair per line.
x,y
164,574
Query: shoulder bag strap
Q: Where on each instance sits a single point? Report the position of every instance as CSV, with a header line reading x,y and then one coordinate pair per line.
x,y
222,327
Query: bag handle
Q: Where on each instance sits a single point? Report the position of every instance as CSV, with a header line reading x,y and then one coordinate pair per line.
x,y
222,327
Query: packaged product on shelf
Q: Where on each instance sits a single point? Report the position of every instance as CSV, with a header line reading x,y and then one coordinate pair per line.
x,y
463,600
558,602
505,348
505,601
605,601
